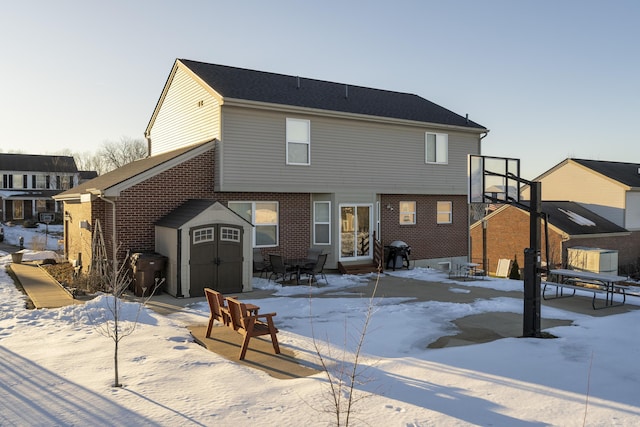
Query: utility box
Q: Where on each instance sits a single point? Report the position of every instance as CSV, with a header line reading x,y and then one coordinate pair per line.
x,y
595,260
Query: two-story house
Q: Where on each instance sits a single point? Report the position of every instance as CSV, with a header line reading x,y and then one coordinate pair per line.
x,y
30,181
308,163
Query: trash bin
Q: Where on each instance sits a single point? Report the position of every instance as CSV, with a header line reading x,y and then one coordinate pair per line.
x,y
397,254
146,268
16,257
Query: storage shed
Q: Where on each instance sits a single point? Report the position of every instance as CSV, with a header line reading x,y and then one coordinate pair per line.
x,y
207,245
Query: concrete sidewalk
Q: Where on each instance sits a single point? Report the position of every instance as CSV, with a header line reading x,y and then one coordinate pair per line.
x,y
42,289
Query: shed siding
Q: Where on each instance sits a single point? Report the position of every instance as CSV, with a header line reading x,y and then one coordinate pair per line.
x,y
182,120
345,154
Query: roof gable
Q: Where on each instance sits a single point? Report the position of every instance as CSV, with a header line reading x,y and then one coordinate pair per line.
x,y
624,173
260,86
128,174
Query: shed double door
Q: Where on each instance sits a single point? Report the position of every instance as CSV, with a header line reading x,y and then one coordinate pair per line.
x,y
216,259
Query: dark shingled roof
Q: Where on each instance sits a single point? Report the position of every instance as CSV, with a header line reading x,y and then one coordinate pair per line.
x,y
625,173
560,214
37,163
128,171
187,211
240,83
184,213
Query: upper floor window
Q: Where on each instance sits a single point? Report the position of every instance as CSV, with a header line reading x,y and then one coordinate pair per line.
x,y
445,213
19,181
40,182
298,142
321,223
436,147
407,213
264,216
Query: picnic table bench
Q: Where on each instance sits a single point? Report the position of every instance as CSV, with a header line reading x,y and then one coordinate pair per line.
x,y
242,318
596,283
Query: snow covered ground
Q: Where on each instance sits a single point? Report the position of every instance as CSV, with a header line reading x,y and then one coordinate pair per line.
x,y
56,369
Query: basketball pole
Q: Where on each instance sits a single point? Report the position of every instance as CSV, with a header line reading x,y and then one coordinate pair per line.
x,y
531,318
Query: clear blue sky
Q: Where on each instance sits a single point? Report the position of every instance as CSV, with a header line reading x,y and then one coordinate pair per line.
x,y
550,79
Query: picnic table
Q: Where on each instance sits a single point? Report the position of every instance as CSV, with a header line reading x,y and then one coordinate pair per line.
x,y
608,284
295,265
466,270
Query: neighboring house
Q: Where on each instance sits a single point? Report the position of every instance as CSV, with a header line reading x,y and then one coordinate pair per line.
x,y
84,176
30,181
569,225
610,189
309,163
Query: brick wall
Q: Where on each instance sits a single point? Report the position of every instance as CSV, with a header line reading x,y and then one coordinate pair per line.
x,y
427,238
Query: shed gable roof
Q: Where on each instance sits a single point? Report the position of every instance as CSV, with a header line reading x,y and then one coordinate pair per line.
x,y
188,211
260,86
37,163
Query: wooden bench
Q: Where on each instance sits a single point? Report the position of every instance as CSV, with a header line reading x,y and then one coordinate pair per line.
x,y
250,325
578,285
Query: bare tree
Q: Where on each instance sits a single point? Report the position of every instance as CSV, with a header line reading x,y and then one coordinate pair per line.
x,y
87,161
118,154
347,373
110,324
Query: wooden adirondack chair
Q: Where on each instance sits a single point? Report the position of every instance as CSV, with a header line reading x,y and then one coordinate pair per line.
x,y
250,326
217,308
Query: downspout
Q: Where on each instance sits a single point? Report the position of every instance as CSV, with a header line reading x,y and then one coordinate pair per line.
x,y
113,238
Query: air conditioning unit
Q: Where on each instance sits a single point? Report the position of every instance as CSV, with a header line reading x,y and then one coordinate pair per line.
x,y
595,260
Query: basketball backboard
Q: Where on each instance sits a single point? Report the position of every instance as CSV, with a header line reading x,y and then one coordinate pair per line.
x,y
494,179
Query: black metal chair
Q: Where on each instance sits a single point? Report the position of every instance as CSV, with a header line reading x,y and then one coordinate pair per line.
x,y
278,268
260,264
317,269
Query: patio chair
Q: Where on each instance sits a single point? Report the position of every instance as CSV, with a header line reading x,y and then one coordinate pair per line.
x,y
316,269
313,254
260,264
278,268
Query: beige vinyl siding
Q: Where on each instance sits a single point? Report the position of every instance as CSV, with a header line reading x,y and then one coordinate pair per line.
x,y
632,219
189,114
578,184
345,155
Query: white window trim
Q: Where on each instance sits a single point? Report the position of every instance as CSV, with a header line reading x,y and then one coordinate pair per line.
x,y
200,232
229,234
307,142
316,222
449,212
253,219
442,148
412,213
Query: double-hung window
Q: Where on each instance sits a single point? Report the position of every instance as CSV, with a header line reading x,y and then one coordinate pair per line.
x,y
298,142
407,213
436,147
264,217
445,213
322,223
